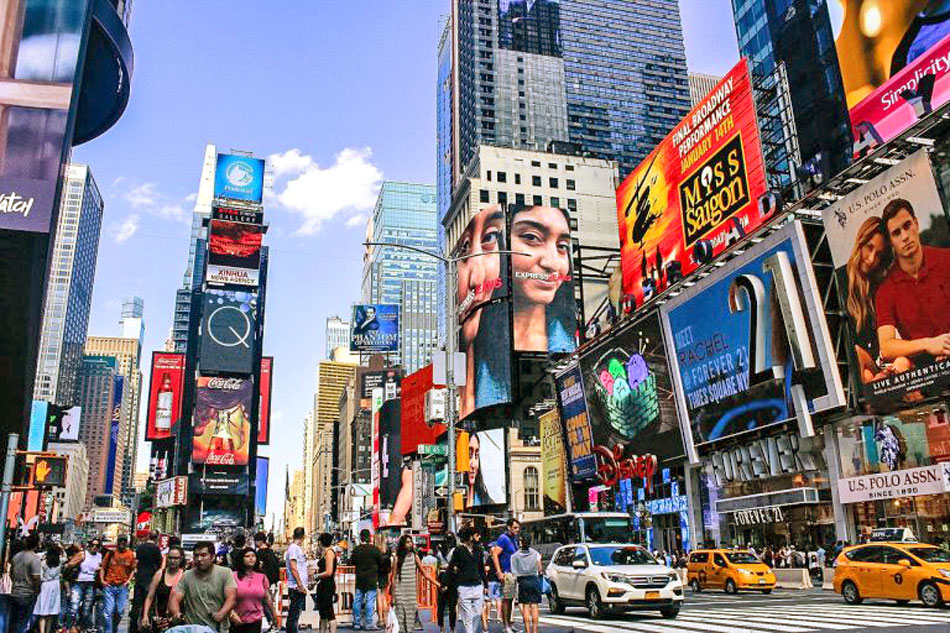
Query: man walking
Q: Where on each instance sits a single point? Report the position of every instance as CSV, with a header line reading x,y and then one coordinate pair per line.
x,y
270,567
296,562
148,560
25,572
366,560
205,594
505,546
114,576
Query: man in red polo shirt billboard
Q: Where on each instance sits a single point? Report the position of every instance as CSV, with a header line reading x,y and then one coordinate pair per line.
x,y
889,242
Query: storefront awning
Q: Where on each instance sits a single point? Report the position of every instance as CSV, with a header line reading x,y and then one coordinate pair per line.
x,y
790,497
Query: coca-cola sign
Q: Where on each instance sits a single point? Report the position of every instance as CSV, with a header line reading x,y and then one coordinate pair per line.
x,y
26,204
222,421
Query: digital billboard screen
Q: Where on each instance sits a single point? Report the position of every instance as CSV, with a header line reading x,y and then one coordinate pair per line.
x,y
481,275
235,214
544,310
486,481
749,341
374,328
117,396
696,193
390,454
228,331
164,400
64,423
263,411
39,413
389,380
222,425
881,235
239,178
260,485
26,204
234,253
572,405
415,429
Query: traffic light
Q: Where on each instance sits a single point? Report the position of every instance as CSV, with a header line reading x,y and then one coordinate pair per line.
x,y
49,472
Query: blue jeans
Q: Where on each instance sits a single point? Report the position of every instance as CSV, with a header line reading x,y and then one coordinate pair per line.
x,y
115,599
81,599
298,601
21,612
363,617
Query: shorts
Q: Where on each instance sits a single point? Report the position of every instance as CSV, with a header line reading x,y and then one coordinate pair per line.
x,y
494,590
529,590
510,587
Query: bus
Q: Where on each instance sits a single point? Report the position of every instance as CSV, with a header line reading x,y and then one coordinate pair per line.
x,y
549,533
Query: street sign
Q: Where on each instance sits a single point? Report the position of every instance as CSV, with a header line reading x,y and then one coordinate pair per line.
x,y
110,515
433,449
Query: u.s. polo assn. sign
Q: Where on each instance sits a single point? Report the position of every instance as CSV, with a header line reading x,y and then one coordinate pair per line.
x,y
913,482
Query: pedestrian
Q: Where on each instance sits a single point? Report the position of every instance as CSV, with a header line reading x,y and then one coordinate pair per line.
x,y
448,596
269,565
49,604
466,566
296,563
238,543
820,552
252,597
505,546
205,594
26,572
366,560
155,608
382,584
429,559
403,581
115,574
83,594
526,566
148,560
326,583
68,577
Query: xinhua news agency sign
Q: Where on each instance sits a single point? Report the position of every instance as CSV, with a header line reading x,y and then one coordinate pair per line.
x,y
912,482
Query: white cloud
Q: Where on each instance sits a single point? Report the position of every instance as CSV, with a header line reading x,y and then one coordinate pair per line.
x,y
127,229
347,187
172,212
357,220
145,195
191,197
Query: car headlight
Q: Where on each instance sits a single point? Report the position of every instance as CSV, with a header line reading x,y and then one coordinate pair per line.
x,y
944,572
673,576
746,572
615,577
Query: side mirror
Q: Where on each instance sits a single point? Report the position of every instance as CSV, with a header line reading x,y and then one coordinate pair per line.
x,y
579,564
904,562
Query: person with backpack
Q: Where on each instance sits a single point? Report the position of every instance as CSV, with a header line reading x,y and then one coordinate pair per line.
x,y
448,598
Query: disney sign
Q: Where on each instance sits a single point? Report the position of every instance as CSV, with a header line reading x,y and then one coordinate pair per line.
x,y
613,466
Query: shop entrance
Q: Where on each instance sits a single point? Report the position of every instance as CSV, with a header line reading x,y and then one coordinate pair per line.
x,y
667,535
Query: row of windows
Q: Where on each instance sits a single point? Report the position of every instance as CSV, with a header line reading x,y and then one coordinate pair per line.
x,y
553,182
502,198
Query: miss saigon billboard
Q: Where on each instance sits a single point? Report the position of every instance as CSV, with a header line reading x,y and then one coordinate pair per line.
x,y
695,194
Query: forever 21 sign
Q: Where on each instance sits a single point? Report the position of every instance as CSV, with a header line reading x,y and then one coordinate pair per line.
x,y
26,204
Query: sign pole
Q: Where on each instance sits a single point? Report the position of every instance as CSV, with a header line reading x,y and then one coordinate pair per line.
x,y
450,396
8,467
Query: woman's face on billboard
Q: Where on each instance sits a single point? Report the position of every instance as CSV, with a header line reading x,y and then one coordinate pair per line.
x,y
871,252
479,275
474,457
542,233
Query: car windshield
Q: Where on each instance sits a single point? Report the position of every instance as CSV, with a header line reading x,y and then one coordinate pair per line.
x,y
620,555
930,554
742,558
612,530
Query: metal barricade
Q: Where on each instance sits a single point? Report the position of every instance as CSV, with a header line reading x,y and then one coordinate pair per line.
x,y
427,595
345,589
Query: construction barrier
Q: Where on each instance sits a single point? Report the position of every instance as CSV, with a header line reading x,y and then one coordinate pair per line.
x,y
792,578
427,593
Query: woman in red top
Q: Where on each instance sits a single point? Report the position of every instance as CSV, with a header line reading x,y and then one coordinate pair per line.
x,y
252,595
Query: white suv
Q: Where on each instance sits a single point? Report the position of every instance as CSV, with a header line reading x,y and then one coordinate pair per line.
x,y
606,578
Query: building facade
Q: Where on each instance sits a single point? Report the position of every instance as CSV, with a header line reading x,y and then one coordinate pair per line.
x,y
71,499
69,292
338,335
332,378
101,388
700,84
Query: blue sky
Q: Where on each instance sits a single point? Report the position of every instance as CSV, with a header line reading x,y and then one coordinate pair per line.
x,y
342,94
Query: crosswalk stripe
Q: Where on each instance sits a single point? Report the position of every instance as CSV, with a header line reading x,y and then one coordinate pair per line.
x,y
871,619
666,626
901,617
597,628
726,619
840,623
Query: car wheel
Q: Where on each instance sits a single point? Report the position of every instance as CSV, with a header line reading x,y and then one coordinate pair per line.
x,y
554,602
930,595
695,586
766,591
595,606
849,591
670,612
731,586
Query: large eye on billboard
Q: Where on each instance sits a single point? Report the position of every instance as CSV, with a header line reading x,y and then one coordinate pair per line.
x,y
695,194
374,328
750,344
234,253
263,412
889,242
486,478
543,306
239,178
895,64
165,389
228,328
222,425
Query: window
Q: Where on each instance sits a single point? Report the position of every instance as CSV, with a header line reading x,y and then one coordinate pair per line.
x,y
571,204
519,199
719,560
570,184
568,167
502,177
536,181
555,202
564,557
483,195
488,175
517,179
538,201
699,557
535,163
553,182
869,554
502,197
532,497
552,165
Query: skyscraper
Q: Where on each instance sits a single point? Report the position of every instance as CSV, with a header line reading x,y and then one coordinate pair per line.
x,y
338,335
405,213
700,84
69,293
332,378
102,389
132,322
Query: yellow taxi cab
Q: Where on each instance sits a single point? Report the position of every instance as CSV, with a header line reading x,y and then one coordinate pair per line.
x,y
729,570
894,571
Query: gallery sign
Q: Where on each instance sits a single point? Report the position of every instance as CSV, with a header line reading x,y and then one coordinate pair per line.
x,y
913,482
26,204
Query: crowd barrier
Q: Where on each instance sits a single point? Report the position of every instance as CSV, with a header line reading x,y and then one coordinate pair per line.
x,y
792,578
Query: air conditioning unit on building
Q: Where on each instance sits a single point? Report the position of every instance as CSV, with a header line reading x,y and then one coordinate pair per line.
x,y
435,405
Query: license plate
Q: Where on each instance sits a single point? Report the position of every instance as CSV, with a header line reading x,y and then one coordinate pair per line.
x,y
761,581
653,595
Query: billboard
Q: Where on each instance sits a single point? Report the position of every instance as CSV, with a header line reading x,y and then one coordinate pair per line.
x,y
260,486
26,204
234,253
695,194
553,464
239,178
228,332
171,492
481,277
390,462
220,481
222,425
389,380
749,345
164,399
544,310
233,214
881,235
415,429
486,482
63,424
375,328
572,405
118,387
39,413
263,411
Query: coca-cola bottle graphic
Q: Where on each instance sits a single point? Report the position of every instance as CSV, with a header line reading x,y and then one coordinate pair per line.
x,y
163,408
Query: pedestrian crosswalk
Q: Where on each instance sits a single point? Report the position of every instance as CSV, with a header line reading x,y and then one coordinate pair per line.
x,y
776,617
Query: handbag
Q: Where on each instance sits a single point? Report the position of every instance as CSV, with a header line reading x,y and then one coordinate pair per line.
x,y
6,584
545,585
392,623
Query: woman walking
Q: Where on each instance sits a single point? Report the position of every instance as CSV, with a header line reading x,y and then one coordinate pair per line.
x,y
252,594
385,569
403,581
469,573
83,593
448,599
526,566
48,603
160,588
326,584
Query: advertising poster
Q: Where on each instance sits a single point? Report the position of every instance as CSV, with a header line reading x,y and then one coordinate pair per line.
x,y
695,194
746,341
389,380
375,468
239,178
222,432
220,481
263,411
486,479
482,277
395,486
880,235
117,394
171,492
164,400
26,204
895,64
64,424
375,328
553,463
572,405
631,405
39,413
543,306
260,486
233,214
234,253
415,429
228,332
